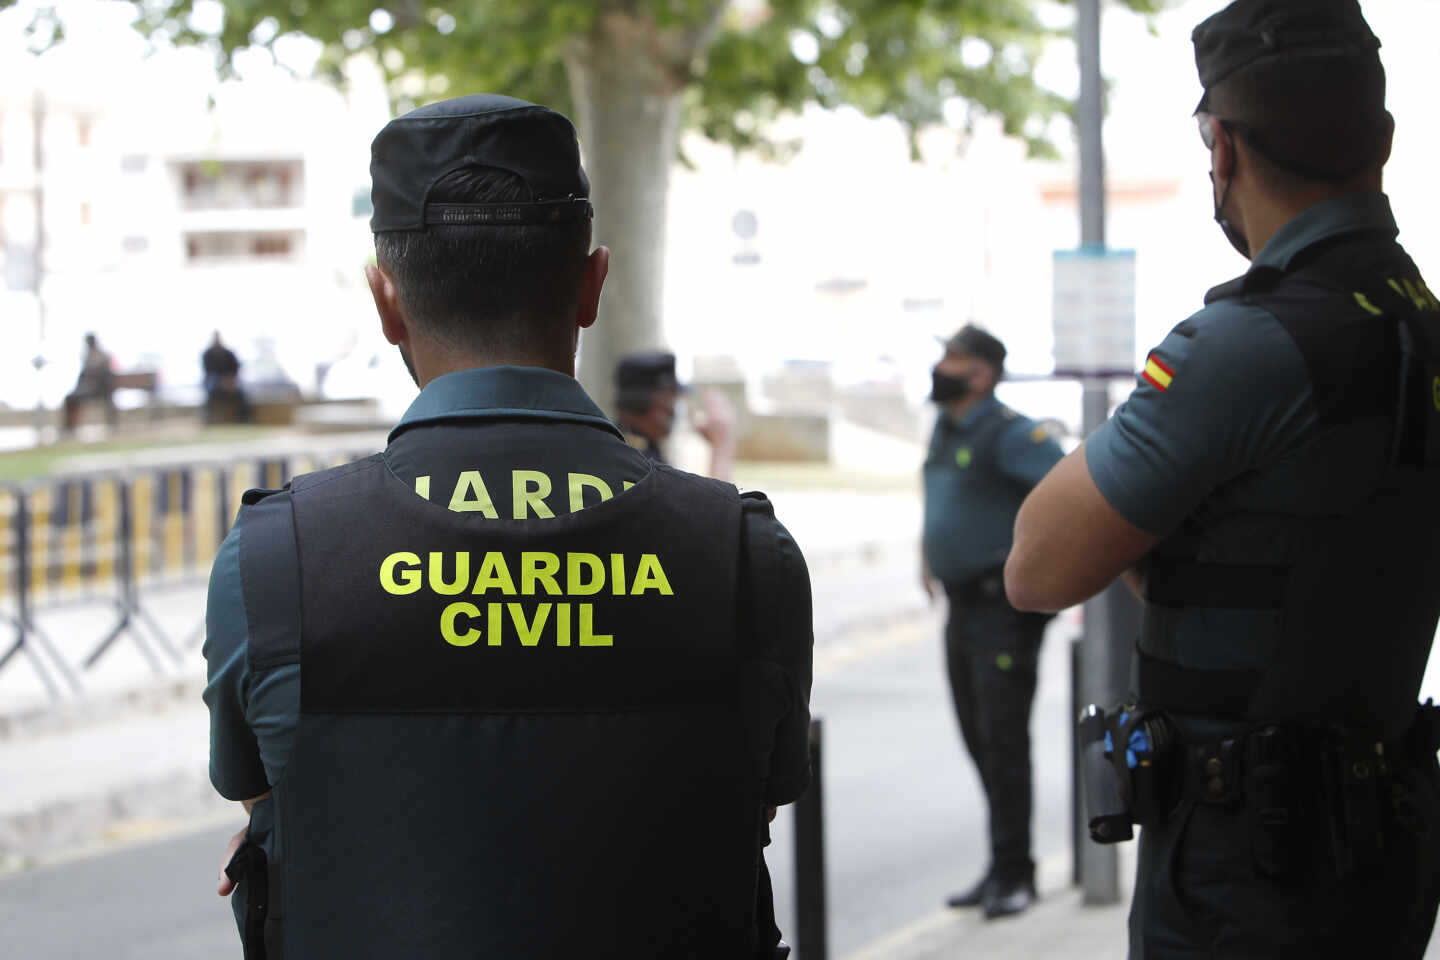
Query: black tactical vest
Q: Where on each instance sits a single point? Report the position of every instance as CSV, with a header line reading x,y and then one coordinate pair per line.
x,y
1321,606
518,738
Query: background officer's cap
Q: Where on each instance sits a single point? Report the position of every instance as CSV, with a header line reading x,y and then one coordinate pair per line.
x,y
1253,31
416,150
977,343
648,372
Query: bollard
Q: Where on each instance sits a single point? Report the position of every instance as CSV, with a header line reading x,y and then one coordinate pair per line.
x,y
1079,832
810,858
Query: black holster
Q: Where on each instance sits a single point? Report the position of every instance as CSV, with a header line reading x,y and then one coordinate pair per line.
x,y
249,870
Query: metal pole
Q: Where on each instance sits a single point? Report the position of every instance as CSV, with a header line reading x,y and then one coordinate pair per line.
x,y
1099,865
810,858
38,281
39,121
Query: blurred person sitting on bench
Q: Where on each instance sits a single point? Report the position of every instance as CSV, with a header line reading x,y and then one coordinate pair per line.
x,y
222,382
96,382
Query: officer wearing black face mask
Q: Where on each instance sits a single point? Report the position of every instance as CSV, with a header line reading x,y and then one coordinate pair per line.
x,y
1271,487
983,459
509,688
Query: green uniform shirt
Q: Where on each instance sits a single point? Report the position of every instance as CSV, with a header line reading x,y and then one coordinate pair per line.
x,y
978,471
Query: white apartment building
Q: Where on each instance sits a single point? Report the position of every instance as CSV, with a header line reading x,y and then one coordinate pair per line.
x,y
166,218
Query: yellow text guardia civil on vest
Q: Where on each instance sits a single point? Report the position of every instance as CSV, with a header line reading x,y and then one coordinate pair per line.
x,y
537,573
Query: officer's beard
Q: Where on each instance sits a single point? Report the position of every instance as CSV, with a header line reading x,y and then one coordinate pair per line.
x,y
409,365
1234,234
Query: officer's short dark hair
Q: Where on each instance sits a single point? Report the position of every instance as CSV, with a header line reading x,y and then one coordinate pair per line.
x,y
488,287
1310,117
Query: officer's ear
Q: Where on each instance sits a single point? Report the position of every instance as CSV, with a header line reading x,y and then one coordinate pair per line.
x,y
592,281
387,304
1387,138
1222,155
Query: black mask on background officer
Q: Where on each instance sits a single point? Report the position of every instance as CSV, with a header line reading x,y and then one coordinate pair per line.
x,y
1270,487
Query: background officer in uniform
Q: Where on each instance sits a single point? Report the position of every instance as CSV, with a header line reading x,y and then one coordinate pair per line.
x,y
647,398
1271,485
984,458
482,694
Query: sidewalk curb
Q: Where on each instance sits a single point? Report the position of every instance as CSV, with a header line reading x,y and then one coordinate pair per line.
x,y
92,710
36,837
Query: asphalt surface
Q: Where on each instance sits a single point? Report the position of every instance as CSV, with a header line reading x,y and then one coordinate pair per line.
x,y
904,825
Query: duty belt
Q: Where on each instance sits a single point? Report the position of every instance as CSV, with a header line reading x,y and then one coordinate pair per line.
x,y
1294,780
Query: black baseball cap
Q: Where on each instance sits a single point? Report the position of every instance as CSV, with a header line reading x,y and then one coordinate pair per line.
x,y
978,343
1253,31
647,371
413,152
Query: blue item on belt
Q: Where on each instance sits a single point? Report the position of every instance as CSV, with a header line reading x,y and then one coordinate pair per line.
x,y
1139,749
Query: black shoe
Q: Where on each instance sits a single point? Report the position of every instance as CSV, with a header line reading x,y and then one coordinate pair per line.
x,y
1007,899
973,897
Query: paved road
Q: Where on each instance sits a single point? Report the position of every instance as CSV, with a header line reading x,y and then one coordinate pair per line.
x,y
903,827
904,818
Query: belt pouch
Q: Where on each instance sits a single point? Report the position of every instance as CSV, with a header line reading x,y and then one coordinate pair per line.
x,y
1355,765
1272,764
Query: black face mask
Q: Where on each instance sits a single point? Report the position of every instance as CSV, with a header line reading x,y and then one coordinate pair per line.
x,y
1237,239
945,388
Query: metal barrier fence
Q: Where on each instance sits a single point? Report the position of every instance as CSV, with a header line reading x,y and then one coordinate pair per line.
x,y
109,537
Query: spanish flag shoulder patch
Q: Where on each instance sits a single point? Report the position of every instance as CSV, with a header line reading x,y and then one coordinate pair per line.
x,y
1157,373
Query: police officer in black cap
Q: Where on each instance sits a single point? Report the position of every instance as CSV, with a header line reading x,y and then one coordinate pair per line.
x,y
482,693
1271,488
647,400
983,459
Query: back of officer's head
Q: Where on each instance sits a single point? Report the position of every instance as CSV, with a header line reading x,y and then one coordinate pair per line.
x,y
482,223
1301,84
489,288
1316,118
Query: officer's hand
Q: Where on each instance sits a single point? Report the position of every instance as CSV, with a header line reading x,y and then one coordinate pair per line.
x,y
928,583
226,886
770,814
716,422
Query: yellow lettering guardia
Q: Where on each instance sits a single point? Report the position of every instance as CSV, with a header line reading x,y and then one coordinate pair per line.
x,y
408,581
578,484
447,625
437,574
576,565
539,568
462,501
528,491
494,574
651,576
1366,305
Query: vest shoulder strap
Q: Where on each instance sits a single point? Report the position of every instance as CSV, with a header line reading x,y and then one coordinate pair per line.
x,y
270,580
760,575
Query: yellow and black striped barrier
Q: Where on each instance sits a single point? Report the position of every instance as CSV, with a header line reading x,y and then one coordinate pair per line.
x,y
107,537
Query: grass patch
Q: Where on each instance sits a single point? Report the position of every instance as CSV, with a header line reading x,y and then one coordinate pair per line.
x,y
35,463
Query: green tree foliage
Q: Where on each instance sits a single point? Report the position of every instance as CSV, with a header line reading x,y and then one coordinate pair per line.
x,y
635,73
739,64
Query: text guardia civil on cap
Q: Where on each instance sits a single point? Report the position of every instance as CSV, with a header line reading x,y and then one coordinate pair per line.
x,y
413,152
1248,31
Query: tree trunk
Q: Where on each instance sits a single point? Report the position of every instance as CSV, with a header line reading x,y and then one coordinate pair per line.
x,y
627,76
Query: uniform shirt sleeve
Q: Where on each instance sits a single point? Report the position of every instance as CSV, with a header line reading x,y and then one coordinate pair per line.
x,y
1027,452
235,765
1238,396
787,661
